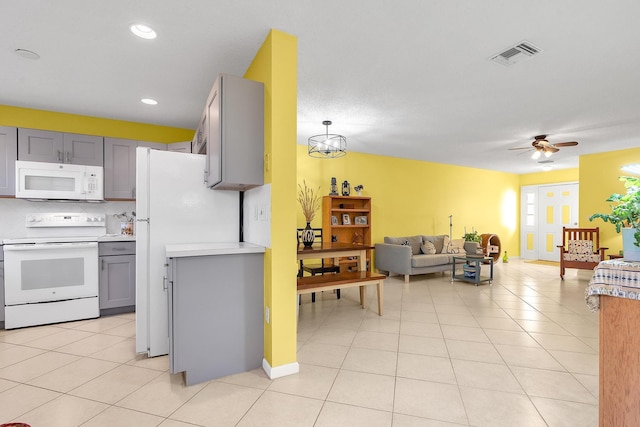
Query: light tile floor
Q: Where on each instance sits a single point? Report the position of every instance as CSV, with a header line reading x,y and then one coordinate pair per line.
x,y
522,352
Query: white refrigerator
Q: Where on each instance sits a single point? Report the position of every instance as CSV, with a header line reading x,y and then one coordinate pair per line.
x,y
173,206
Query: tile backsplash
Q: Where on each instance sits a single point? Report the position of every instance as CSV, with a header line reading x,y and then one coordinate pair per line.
x,y
14,211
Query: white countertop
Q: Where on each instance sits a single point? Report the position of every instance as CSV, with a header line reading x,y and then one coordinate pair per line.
x,y
116,238
207,249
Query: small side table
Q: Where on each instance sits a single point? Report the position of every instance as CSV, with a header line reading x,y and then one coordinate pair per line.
x,y
471,269
615,256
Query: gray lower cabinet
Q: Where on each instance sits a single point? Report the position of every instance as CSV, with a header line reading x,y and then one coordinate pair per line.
x,y
8,157
1,288
215,315
56,147
117,276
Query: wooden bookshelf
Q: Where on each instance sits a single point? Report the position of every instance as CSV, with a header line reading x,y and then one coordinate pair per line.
x,y
351,231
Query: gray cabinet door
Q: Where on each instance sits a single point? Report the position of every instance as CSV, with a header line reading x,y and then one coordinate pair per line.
x,y
216,324
1,290
117,281
40,146
8,157
120,168
235,144
83,149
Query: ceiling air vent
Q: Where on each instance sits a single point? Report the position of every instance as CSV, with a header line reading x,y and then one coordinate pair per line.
x,y
517,53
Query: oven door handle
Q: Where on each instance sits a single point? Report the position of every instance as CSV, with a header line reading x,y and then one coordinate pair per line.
x,y
50,246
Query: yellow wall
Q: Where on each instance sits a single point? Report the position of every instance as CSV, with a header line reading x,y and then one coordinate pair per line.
x,y
598,180
414,197
276,66
550,177
73,123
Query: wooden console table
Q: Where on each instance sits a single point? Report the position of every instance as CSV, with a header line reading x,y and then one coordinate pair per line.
x,y
325,282
615,291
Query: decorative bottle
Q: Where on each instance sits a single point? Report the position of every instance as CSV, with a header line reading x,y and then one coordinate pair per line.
x,y
505,258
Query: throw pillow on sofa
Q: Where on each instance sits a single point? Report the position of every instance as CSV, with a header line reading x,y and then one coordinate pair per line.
x,y
455,246
414,241
428,248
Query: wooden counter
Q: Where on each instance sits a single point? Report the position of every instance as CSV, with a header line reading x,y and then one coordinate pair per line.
x,y
614,289
619,362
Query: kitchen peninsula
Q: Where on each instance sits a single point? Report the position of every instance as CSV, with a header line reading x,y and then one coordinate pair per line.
x,y
215,309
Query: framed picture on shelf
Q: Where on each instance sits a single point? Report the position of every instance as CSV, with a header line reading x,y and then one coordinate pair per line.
x,y
334,220
345,219
361,220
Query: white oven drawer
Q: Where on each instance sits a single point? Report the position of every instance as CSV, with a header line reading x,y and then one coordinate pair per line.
x,y
47,272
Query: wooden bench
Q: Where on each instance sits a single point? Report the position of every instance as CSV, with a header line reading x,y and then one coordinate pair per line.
x,y
348,279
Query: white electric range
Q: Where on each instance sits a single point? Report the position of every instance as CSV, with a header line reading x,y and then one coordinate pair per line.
x,y
51,275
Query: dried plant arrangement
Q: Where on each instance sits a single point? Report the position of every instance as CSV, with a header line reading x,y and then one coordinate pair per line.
x,y
309,201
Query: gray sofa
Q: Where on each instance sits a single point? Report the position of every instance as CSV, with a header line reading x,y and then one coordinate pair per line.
x,y
412,255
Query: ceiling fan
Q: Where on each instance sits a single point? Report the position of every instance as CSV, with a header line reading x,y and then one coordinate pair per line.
x,y
542,146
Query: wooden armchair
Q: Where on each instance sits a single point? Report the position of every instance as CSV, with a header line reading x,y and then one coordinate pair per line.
x,y
580,249
320,268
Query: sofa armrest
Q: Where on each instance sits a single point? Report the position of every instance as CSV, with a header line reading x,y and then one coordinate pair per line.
x,y
393,258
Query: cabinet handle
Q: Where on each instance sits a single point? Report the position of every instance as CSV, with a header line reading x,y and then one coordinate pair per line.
x,y
68,157
164,283
101,264
59,156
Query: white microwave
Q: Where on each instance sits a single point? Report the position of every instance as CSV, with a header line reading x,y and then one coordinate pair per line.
x,y
57,181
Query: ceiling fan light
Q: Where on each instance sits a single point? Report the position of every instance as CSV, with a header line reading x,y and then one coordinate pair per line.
x,y
547,153
536,155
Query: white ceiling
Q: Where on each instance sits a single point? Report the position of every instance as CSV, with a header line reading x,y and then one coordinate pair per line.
x,y
410,78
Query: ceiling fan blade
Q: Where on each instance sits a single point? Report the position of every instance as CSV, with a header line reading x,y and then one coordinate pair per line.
x,y
520,148
565,144
551,148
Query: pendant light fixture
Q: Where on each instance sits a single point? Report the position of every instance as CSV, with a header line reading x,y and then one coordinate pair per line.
x,y
328,145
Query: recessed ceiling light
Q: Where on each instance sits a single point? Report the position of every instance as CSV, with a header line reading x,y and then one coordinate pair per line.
x,y
149,101
143,31
27,54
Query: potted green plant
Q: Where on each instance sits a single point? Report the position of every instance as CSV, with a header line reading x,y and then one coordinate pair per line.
x,y
625,216
472,237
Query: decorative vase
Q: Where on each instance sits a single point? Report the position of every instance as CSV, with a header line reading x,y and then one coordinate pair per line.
x,y
630,250
308,236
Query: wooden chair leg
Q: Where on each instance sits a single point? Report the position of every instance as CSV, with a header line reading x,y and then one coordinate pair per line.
x,y
338,293
380,296
313,297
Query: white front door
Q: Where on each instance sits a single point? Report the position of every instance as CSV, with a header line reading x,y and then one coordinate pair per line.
x,y
545,209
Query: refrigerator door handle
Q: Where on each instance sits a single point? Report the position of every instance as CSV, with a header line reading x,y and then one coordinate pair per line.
x,y
142,220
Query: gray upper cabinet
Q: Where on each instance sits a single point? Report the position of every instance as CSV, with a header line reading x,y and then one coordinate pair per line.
x,y
56,147
8,157
83,149
120,168
235,143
